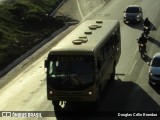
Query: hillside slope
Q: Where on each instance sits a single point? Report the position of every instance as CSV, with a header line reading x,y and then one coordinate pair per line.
x,y
23,24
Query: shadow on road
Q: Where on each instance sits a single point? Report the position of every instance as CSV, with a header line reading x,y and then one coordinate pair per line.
x,y
118,96
139,26
154,41
146,58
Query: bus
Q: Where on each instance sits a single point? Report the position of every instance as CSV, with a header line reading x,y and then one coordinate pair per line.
x,y
80,65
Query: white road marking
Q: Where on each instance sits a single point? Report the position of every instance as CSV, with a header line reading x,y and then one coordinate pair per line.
x,y
79,9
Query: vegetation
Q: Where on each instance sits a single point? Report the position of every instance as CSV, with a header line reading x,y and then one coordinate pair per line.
x,y
23,24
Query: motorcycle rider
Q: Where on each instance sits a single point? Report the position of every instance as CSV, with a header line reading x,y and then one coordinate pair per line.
x,y
142,40
147,23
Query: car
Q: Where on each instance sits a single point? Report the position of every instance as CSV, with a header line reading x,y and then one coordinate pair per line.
x,y
133,13
154,69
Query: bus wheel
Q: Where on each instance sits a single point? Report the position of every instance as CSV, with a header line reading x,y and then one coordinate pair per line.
x,y
112,77
97,102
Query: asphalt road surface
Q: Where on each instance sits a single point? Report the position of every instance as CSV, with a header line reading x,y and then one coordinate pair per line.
x,y
129,92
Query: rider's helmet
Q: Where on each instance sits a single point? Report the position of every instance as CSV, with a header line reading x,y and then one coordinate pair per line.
x,y
146,19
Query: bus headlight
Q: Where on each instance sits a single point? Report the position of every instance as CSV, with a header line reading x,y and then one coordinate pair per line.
x,y
51,92
89,93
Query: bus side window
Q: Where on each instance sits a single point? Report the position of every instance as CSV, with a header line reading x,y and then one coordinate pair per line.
x,y
101,58
106,50
110,46
99,64
116,37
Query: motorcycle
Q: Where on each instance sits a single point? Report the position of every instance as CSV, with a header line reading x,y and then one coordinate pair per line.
x,y
146,30
142,49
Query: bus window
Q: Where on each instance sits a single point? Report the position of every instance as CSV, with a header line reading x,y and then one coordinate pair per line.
x,y
77,70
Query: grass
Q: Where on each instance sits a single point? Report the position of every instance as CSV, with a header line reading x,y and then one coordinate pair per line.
x,y
22,23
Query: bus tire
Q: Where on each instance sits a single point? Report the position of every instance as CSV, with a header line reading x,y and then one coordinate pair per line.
x,y
97,102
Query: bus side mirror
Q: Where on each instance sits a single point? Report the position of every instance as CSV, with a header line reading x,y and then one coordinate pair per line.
x,y
46,63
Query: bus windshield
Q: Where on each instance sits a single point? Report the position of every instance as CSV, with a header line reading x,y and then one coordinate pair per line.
x,y
71,72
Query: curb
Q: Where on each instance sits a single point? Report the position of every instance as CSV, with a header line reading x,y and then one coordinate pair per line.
x,y
53,13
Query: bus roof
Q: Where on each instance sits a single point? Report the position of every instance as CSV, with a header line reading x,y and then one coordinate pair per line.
x,y
86,37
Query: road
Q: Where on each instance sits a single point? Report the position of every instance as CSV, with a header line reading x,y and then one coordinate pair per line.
x,y
129,92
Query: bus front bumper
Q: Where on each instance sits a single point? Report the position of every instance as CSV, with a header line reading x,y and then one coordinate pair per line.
x,y
76,96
